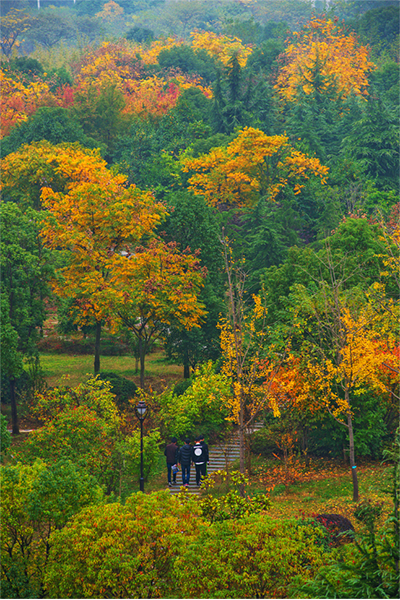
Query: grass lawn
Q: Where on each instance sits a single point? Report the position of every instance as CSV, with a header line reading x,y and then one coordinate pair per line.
x,y
76,369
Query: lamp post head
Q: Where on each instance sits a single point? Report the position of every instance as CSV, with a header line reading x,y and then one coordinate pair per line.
x,y
141,409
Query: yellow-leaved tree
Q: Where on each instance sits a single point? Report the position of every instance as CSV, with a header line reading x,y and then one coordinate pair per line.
x,y
158,287
254,165
323,57
221,46
341,353
247,360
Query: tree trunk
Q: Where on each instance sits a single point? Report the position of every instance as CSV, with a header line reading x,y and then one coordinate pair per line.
x,y
97,348
352,458
248,454
142,354
242,456
186,364
14,413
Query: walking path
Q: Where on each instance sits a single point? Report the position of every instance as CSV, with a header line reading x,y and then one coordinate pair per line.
x,y
221,456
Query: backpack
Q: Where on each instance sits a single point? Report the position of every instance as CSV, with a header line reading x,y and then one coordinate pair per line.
x,y
198,453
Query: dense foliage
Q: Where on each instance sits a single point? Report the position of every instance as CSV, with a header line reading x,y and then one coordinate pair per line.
x,y
219,179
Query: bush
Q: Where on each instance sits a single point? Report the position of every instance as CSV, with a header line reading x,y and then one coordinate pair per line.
x,y
124,389
251,557
5,436
122,551
261,442
338,526
36,500
181,387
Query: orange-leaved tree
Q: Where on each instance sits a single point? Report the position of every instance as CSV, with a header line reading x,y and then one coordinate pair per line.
x,y
96,221
20,98
158,288
323,58
252,166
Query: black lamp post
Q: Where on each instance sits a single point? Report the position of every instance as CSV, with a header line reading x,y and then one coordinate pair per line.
x,y
141,413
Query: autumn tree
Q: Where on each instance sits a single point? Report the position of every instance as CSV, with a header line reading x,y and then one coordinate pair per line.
x,y
96,221
252,166
247,360
323,56
158,288
40,164
20,98
14,24
221,46
341,351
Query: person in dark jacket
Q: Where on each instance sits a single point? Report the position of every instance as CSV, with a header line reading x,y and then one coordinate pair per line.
x,y
205,446
185,459
171,453
200,459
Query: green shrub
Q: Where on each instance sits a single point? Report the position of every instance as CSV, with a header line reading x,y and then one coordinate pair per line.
x,y
124,389
181,387
36,500
261,442
5,436
251,557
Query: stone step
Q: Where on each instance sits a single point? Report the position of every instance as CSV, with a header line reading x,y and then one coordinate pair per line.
x,y
219,456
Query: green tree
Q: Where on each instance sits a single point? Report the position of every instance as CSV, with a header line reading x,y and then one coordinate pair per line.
x,y
192,224
54,124
11,358
100,115
201,409
24,275
37,500
373,140
189,61
50,27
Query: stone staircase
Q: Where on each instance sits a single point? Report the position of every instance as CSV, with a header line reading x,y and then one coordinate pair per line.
x,y
221,456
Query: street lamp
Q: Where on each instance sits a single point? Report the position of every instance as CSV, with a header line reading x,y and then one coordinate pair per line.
x,y
141,413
